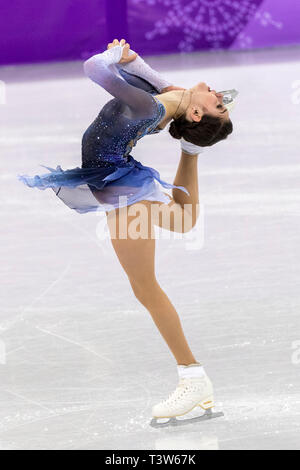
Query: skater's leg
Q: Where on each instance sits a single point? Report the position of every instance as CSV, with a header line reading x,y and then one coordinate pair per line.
x,y
137,258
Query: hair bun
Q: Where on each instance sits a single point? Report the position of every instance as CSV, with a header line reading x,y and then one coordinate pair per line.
x,y
174,131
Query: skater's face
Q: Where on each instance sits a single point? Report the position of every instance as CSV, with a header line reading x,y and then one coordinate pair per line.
x,y
205,101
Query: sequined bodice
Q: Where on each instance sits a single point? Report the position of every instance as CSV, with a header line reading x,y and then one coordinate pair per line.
x,y
116,131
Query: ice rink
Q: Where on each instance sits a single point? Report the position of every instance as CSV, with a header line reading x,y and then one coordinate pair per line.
x,y
81,361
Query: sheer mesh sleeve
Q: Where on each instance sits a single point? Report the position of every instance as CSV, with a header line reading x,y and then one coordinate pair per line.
x,y
141,69
98,69
138,82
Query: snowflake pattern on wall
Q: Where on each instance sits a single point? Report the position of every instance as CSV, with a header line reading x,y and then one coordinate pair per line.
x,y
210,24
264,19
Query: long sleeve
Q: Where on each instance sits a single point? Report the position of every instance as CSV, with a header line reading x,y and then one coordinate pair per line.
x,y
138,82
98,68
141,69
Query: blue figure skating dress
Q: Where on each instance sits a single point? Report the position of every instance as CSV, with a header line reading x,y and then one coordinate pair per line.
x,y
110,177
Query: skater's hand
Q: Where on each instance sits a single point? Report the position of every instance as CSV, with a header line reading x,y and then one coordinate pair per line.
x,y
126,58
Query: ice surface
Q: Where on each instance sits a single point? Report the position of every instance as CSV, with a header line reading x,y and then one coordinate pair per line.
x,y
81,362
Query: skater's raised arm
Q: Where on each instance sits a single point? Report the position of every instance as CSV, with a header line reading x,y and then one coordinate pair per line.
x,y
139,68
97,68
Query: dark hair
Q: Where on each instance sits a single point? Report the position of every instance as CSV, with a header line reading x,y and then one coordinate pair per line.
x,y
205,133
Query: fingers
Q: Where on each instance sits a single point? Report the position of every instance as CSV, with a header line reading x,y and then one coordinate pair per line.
x,y
126,50
126,54
132,57
116,42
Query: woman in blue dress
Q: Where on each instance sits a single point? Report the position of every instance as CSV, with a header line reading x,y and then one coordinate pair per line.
x,y
111,180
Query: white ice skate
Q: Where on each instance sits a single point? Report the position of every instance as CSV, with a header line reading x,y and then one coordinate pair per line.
x,y
190,393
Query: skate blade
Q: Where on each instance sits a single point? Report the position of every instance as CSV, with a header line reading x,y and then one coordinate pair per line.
x,y
172,422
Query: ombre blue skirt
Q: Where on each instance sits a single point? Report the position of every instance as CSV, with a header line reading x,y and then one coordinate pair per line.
x,y
121,182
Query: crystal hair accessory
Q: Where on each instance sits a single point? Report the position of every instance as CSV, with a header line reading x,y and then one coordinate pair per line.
x,y
229,97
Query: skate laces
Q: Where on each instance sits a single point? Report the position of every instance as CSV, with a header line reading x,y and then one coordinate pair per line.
x,y
183,387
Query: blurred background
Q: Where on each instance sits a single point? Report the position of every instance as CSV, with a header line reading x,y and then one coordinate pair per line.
x,y
38,31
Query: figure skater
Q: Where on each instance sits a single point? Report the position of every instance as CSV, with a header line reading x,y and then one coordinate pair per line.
x,y
111,180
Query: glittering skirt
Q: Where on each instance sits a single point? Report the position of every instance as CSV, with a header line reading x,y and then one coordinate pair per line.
x,y
121,182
